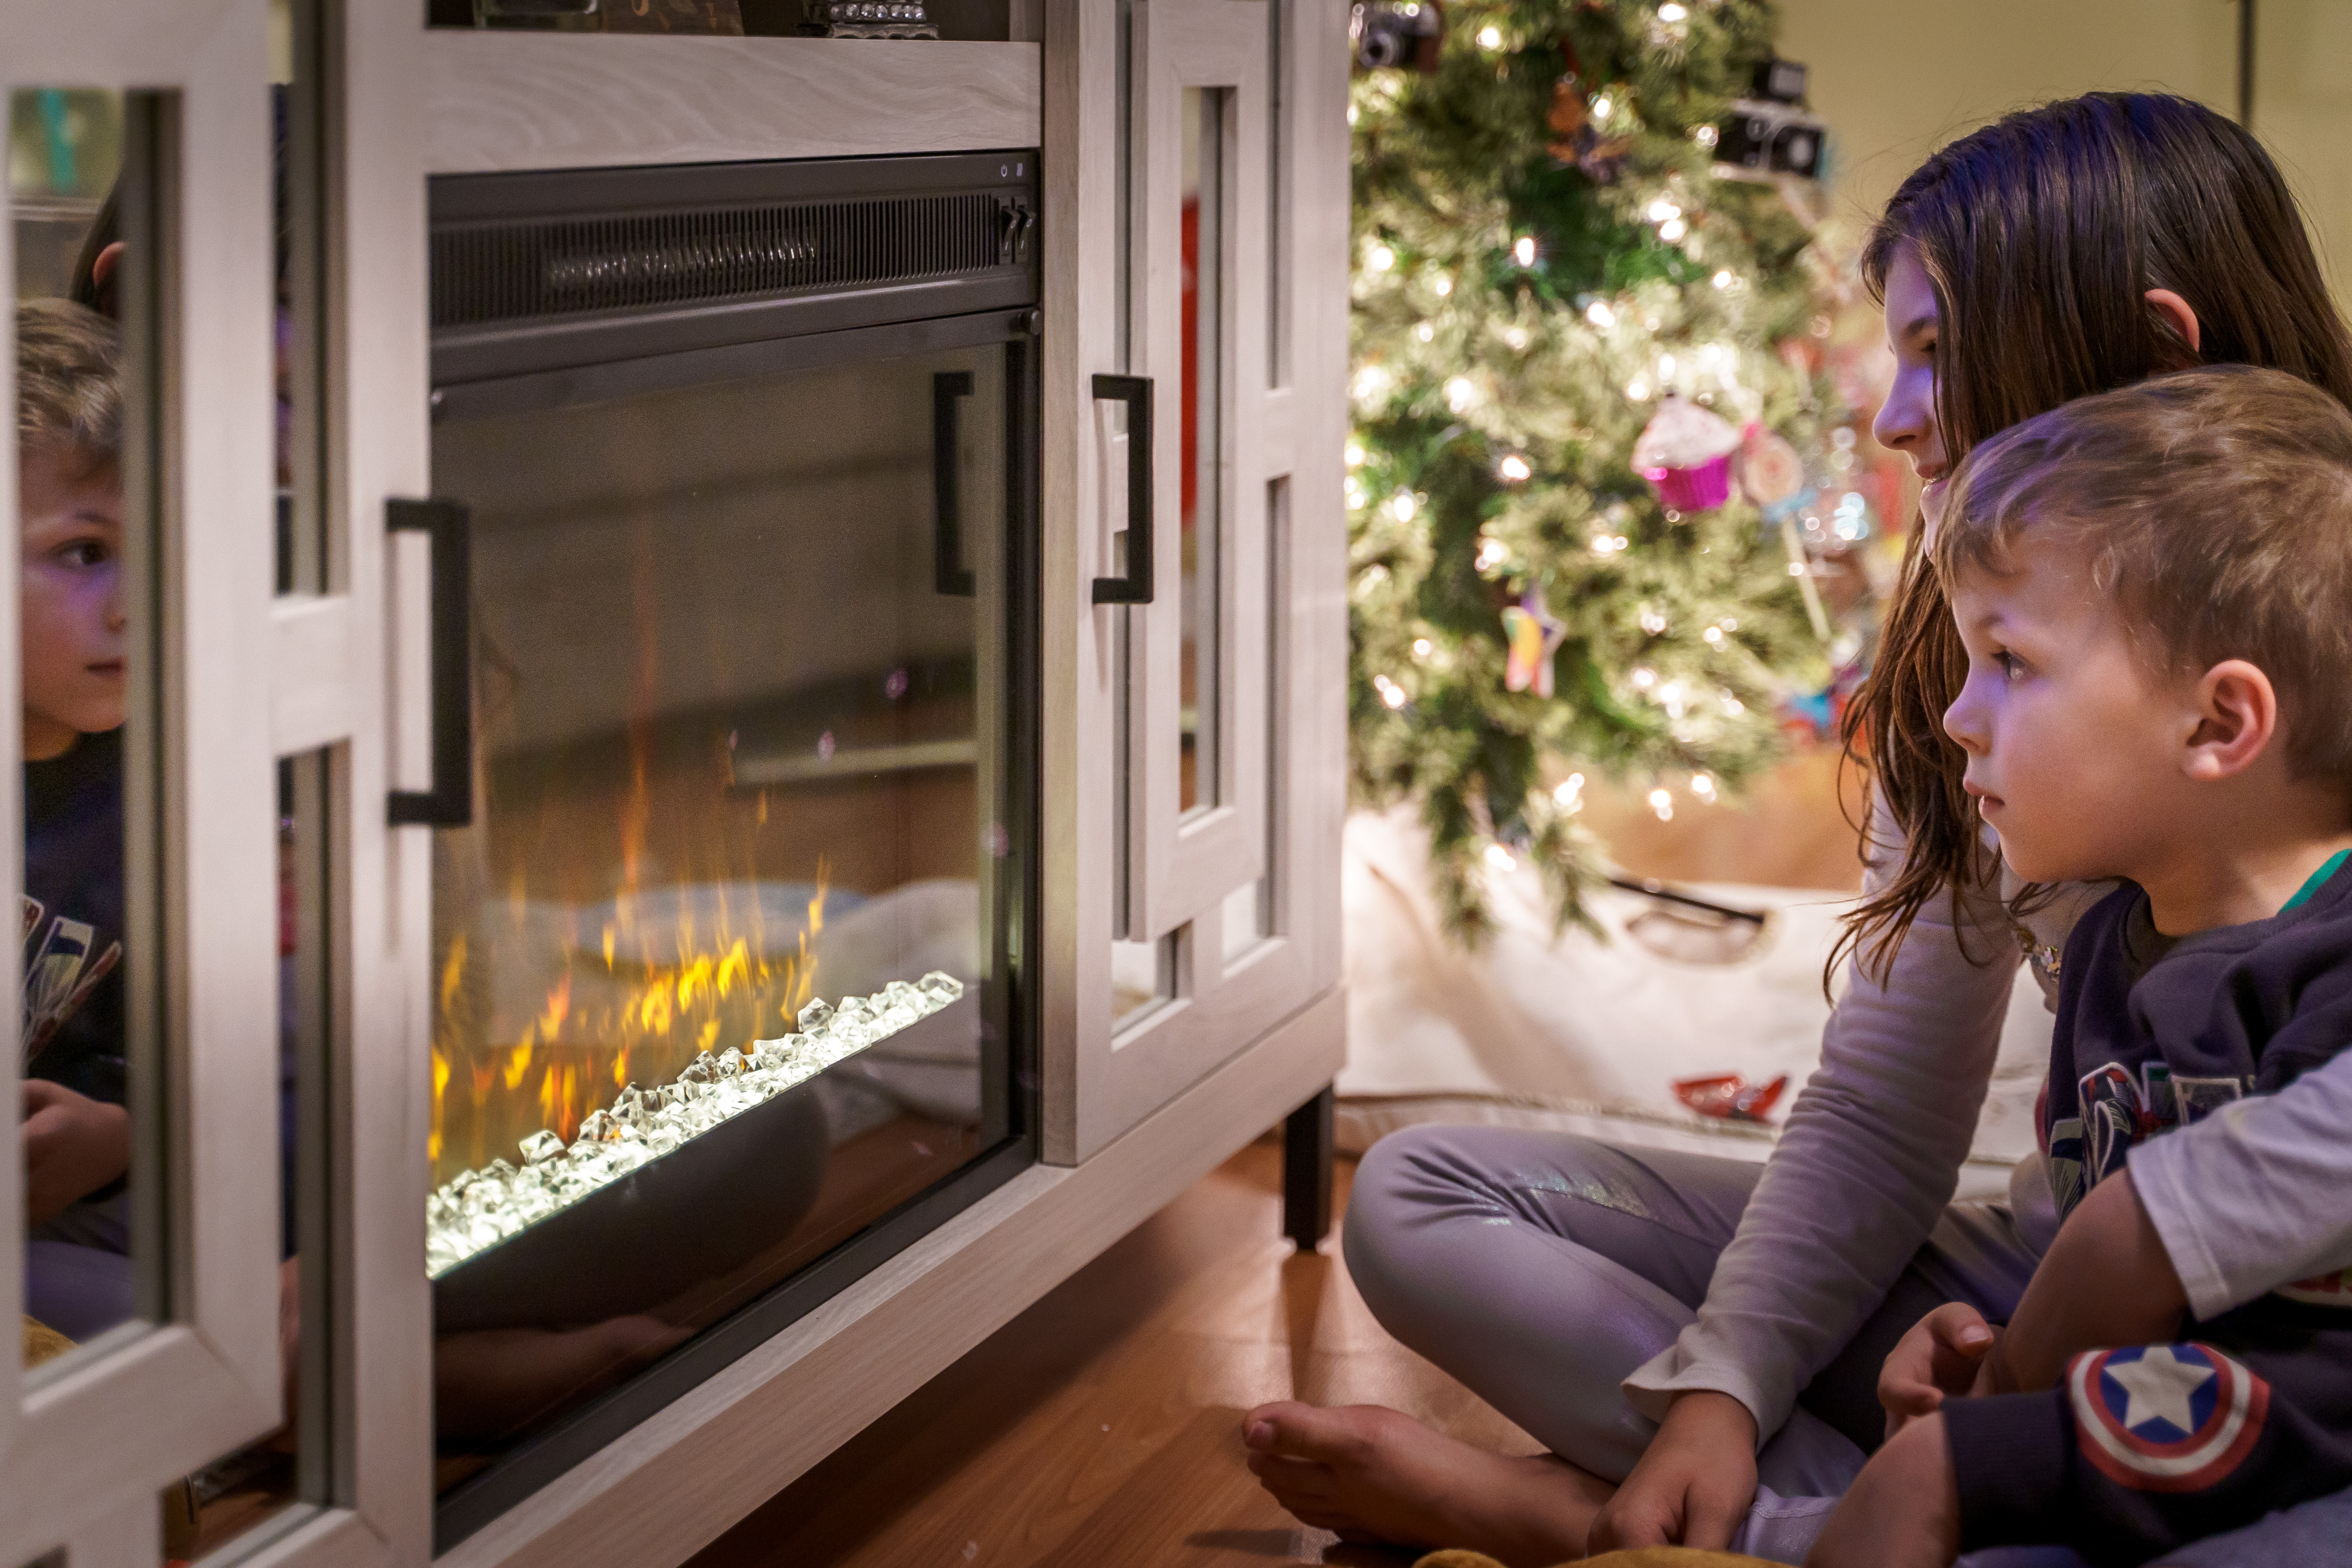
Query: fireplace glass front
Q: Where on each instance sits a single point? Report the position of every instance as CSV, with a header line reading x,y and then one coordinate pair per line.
x,y
727,999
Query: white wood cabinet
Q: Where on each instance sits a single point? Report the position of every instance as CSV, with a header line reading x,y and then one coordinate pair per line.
x,y
1192,780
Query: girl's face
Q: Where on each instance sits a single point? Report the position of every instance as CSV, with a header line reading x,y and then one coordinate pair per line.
x,y
1906,421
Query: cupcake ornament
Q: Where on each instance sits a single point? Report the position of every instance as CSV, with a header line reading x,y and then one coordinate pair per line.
x,y
1686,454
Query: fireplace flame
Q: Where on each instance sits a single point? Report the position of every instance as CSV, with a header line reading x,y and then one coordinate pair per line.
x,y
606,1021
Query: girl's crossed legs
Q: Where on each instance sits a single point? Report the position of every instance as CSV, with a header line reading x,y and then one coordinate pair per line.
x,y
1540,1269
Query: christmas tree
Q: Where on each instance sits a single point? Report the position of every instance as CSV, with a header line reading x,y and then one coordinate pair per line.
x,y
1547,266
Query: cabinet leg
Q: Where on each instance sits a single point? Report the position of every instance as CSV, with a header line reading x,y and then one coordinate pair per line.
x,y
1306,1172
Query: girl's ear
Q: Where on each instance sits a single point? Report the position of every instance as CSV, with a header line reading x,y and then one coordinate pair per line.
x,y
2237,718
2172,311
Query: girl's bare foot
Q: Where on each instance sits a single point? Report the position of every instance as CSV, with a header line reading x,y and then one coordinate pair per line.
x,y
1369,1473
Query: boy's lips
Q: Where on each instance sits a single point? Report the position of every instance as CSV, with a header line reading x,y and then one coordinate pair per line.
x,y
108,668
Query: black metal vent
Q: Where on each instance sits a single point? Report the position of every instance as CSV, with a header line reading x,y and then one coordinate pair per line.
x,y
516,272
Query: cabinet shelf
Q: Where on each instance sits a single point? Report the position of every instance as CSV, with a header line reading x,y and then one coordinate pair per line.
x,y
497,100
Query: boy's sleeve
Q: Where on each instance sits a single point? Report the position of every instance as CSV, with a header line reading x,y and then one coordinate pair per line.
x,y
2138,1451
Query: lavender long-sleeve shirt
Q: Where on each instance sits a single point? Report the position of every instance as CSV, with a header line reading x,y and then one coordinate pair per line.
x,y
1872,1152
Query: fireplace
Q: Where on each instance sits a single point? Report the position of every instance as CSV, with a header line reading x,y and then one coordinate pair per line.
x,y
735,766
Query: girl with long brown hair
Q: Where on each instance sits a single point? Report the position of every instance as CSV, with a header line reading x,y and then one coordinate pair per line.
x,y
1696,1341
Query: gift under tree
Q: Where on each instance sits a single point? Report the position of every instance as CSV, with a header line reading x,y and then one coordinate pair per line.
x,y
1579,407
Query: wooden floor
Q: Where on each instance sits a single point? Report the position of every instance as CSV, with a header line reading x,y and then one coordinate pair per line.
x,y
1102,1427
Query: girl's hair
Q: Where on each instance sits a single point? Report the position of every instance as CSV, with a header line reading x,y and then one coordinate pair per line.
x,y
2041,235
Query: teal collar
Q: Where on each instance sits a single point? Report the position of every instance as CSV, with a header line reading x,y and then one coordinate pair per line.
x,y
2317,880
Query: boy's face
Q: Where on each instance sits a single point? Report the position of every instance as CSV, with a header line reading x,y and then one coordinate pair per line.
x,y
2074,748
72,576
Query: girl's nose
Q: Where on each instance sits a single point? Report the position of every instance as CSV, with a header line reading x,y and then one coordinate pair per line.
x,y
1907,417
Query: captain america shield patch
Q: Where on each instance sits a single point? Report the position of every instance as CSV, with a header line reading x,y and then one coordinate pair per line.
x,y
2165,1418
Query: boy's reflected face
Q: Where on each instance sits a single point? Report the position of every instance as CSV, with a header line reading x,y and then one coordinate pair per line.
x,y
72,583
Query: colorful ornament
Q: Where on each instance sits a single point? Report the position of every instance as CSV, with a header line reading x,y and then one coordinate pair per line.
x,y
1535,633
1686,454
1770,472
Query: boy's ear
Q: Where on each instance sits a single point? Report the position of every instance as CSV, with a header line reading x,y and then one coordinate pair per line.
x,y
2238,715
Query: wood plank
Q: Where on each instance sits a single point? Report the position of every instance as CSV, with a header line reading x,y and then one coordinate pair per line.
x,y
497,100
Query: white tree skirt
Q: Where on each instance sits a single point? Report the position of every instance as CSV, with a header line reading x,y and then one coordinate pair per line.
x,y
1589,1035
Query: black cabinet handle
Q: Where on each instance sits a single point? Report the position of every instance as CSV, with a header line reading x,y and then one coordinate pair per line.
x,y
949,572
1135,588
450,801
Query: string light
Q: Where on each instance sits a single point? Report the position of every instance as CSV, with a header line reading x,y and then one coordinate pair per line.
x,y
1723,279
1653,622
1662,209
1403,505
1638,389
1443,285
1702,786
1490,554
1459,393
1600,108
1673,229
1601,315
1524,248
1490,38
1516,337
1705,135
1355,456
1420,648
1645,679
1665,367
1569,795
1672,12
1391,692
1424,331
1380,258
1712,635
1515,468
1663,803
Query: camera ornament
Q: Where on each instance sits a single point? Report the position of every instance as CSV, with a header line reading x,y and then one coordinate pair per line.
x,y
1685,453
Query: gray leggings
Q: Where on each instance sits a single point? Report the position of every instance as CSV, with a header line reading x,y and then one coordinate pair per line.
x,y
1493,1250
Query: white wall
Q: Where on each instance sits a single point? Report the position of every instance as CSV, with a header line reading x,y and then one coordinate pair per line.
x,y
1896,78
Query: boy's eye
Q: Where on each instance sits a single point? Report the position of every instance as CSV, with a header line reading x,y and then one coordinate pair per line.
x,y
84,553
2008,664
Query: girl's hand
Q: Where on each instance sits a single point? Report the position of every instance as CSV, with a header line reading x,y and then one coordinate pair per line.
x,y
73,1146
1946,1353
1693,1484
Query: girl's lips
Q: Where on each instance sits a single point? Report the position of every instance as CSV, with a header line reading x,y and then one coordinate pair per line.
x,y
1931,502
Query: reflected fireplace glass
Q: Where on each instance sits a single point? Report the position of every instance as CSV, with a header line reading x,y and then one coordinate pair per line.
x,y
722,960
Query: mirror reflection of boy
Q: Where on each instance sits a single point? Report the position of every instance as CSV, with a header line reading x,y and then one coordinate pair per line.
x,y
77,1134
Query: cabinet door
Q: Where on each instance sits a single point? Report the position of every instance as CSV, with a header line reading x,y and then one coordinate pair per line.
x,y
1222,787
164,791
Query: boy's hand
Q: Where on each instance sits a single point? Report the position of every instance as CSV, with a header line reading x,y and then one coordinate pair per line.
x,y
1945,1355
1902,1511
73,1146
1693,1484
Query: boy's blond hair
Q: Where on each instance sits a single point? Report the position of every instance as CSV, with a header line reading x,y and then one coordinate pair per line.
x,y
68,382
2214,509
